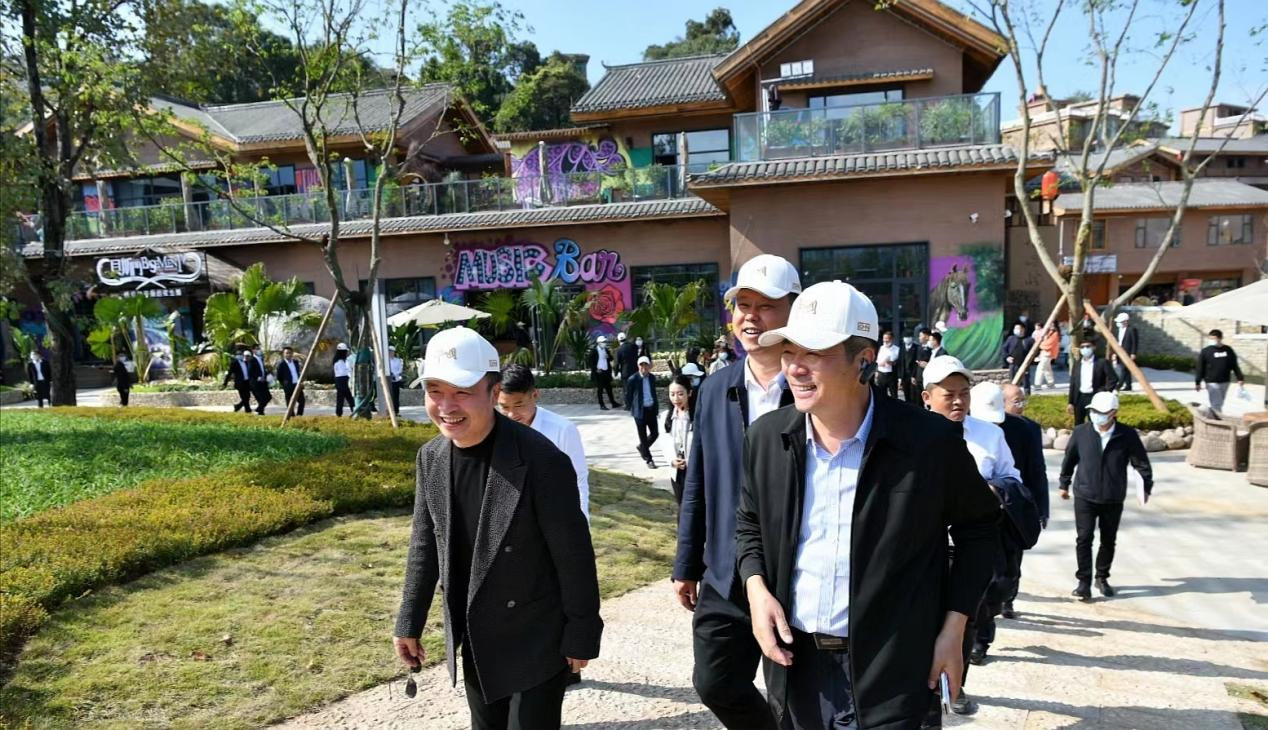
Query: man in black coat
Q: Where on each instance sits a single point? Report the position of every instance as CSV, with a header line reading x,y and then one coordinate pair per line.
x,y
857,618
1217,363
1102,450
240,372
259,380
627,356
642,403
602,364
124,373
498,523
1089,375
288,370
726,655
40,376
1016,346
1129,339
914,353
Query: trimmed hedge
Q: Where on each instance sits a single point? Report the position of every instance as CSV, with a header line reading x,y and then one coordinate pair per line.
x,y
62,553
1167,362
1134,410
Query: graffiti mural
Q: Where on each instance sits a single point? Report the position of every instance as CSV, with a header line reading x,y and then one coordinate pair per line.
x,y
564,161
967,294
511,263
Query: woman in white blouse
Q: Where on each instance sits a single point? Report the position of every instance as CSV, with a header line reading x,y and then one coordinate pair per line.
x,y
678,429
342,374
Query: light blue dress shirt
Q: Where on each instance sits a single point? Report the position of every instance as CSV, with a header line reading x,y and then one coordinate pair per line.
x,y
821,574
647,390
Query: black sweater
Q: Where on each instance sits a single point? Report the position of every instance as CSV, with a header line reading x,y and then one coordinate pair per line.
x,y
1103,476
1216,363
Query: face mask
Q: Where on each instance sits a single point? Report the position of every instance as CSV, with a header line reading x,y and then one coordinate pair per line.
x,y
1024,318
638,342
907,341
1086,351
1019,332
695,382
722,355
1100,420
1213,342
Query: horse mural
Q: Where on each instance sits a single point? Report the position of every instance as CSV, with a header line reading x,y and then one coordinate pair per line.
x,y
951,294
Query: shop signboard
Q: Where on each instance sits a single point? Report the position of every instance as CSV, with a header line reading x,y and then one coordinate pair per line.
x,y
151,272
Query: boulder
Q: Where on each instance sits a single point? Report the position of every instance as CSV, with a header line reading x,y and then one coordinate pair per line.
x,y
1188,442
288,331
1153,442
1061,442
1049,438
1174,440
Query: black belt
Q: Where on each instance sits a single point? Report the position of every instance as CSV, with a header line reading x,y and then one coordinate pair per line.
x,y
825,642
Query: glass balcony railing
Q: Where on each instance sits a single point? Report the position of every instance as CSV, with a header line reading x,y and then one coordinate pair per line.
x,y
461,196
840,130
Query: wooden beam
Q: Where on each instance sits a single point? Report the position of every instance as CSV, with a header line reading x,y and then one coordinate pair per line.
x,y
1123,357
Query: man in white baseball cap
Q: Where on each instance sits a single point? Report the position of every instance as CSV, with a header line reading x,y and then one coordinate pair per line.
x,y
1129,340
704,576
1102,449
602,364
846,577
501,501
643,405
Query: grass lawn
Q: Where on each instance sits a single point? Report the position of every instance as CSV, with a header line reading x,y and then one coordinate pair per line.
x,y
308,616
51,459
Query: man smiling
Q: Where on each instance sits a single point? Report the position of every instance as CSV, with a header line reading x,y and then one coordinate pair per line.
x,y
498,522
845,503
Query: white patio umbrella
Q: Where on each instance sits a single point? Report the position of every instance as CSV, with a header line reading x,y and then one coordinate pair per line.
x,y
435,312
1245,304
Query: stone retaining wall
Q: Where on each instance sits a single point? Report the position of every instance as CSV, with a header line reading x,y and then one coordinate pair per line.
x,y
11,397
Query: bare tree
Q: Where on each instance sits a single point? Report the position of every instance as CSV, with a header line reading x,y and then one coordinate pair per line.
x,y
1110,24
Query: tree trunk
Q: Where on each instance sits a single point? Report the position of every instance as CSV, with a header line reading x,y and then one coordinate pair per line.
x,y
63,360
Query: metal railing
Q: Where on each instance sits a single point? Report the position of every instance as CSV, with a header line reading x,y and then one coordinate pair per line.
x,y
910,124
525,192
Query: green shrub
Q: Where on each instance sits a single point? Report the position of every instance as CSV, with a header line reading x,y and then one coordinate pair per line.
x,y
1167,362
1134,410
59,554
574,379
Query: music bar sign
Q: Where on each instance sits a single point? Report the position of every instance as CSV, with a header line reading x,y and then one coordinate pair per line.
x,y
151,274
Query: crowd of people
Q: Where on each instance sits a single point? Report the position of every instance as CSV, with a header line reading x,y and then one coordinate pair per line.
x,y
854,539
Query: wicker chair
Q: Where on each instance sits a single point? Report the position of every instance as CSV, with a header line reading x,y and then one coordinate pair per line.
x,y
1216,442
1257,466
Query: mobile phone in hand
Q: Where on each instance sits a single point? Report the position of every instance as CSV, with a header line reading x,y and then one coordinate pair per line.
x,y
944,684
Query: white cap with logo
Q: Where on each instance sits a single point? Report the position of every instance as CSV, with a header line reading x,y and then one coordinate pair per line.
x,y
342,347
942,367
825,315
769,275
986,401
644,360
1121,317
460,357
692,370
1104,402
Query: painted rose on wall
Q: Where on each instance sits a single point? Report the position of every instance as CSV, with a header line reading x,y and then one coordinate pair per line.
x,y
606,303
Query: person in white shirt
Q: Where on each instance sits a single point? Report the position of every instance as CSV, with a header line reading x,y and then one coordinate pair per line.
x,y
678,427
887,357
395,375
343,373
518,402
721,356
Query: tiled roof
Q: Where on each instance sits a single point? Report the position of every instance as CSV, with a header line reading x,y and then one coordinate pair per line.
x,y
653,83
273,121
1206,145
810,168
689,207
1166,195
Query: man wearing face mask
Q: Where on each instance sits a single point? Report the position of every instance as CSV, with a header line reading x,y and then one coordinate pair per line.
x,y
1016,347
721,356
888,363
1089,375
259,374
240,372
1102,451
1216,363
912,367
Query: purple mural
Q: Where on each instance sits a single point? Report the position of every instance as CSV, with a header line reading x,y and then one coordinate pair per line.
x,y
953,298
563,162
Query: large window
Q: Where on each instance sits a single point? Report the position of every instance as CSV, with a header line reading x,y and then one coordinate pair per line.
x,y
1098,235
401,294
894,277
679,275
281,180
1230,230
705,148
1151,231
855,98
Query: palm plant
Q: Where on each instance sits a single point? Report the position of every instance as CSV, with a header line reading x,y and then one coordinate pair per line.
x,y
128,317
261,298
667,312
502,309
225,324
556,316
25,344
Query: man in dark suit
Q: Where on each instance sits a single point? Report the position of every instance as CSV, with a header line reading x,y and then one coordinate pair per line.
x,y
288,370
705,581
240,372
626,357
498,523
1089,375
40,375
845,506
259,373
1025,440
1129,339
1016,347
124,373
916,356
602,363
640,399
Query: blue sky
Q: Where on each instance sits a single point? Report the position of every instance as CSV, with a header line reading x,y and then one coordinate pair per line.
x,y
618,33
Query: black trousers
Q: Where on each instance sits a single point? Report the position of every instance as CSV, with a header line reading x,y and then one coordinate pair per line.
x,y
289,390
677,481
819,690
343,394
1003,588
726,661
244,399
123,395
539,708
888,383
43,389
1081,402
911,391
602,384
648,432
1087,516
262,396
1025,380
396,395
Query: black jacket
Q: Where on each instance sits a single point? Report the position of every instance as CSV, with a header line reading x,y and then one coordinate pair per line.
x,y
1025,441
1103,377
240,380
533,597
258,370
1016,348
284,372
711,489
122,378
592,360
917,479
634,395
45,370
1216,363
1131,339
1103,476
910,355
627,358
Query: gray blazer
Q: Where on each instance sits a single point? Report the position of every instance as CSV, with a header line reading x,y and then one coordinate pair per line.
x,y
533,598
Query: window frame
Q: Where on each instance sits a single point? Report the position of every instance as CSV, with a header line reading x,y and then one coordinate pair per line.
x,y
1246,225
1142,233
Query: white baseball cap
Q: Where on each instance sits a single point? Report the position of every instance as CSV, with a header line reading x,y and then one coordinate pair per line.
x,y
341,346
1121,317
602,340
1104,402
644,360
940,326
391,348
986,401
460,357
826,314
942,367
769,275
620,336
692,369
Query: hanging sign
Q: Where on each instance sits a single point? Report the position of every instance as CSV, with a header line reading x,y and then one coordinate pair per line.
x,y
150,271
